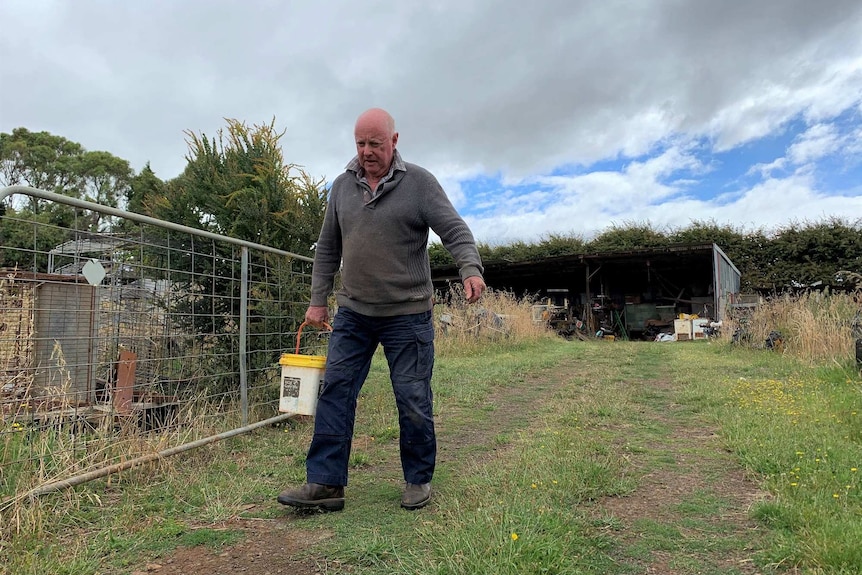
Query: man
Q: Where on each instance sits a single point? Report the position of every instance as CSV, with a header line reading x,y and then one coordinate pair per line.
x,y
376,229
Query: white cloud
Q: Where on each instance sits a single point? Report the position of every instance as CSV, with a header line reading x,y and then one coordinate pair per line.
x,y
600,203
765,170
853,144
483,89
818,141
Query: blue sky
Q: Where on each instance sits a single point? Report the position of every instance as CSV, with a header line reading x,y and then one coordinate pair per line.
x,y
557,117
820,165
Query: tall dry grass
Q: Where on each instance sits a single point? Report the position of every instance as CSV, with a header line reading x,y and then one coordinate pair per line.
x,y
817,327
45,448
498,316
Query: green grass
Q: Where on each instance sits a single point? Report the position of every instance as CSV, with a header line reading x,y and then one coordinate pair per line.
x,y
543,446
802,434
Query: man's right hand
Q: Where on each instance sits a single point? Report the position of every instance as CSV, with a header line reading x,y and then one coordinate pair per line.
x,y
317,315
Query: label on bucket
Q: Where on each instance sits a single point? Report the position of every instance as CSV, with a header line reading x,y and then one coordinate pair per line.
x,y
290,387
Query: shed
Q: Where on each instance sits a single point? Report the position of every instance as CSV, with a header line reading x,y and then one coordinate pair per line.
x,y
634,292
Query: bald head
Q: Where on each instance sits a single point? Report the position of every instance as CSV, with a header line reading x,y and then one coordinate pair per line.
x,y
375,142
377,118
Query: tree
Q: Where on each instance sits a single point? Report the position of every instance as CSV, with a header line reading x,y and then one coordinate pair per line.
x,y
705,232
144,186
239,184
814,253
40,160
26,238
104,179
440,258
629,237
54,164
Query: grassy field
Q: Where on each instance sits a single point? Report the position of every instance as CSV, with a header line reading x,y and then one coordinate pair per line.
x,y
555,457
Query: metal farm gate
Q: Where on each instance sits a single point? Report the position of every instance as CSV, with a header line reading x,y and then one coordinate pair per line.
x,y
146,332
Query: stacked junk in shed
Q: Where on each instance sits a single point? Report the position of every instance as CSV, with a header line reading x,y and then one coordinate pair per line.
x,y
679,292
78,341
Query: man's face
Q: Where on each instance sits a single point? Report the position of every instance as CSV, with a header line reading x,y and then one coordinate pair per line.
x,y
375,146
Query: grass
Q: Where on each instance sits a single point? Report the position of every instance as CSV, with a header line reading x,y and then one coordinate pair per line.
x,y
555,457
815,327
803,436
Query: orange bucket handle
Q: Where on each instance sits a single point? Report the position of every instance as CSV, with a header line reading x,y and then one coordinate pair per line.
x,y
299,332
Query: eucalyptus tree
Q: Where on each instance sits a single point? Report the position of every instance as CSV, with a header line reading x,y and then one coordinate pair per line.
x,y
31,226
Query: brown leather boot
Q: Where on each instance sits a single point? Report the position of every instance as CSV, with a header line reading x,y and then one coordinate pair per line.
x,y
311,495
416,496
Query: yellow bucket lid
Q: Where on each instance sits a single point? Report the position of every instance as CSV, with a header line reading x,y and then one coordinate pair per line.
x,y
294,360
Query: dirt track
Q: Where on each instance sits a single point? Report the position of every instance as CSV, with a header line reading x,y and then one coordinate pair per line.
x,y
284,546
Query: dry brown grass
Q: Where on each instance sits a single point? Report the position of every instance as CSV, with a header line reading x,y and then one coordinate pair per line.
x,y
40,448
498,315
815,327
16,337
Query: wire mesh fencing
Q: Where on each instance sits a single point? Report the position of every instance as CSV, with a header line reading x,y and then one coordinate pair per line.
x,y
119,344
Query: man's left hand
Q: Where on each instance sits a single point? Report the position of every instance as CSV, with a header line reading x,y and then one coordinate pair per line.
x,y
474,286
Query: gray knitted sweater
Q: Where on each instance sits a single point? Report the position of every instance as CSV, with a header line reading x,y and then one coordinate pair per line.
x,y
382,246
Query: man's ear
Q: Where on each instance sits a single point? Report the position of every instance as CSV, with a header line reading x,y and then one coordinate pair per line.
x,y
394,139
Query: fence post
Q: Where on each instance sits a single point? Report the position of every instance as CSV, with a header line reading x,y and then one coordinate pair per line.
x,y
859,354
243,327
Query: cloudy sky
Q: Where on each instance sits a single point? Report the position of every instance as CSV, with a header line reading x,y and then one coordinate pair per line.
x,y
546,117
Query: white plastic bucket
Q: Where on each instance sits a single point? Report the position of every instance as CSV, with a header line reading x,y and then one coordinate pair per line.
x,y
301,379
301,382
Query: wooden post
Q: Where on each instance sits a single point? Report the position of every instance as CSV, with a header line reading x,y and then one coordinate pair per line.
x,y
124,390
588,307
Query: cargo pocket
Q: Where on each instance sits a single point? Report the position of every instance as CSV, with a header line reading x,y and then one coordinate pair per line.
x,y
424,352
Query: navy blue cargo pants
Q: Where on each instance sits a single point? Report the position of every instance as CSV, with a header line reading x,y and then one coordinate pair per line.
x,y
408,343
